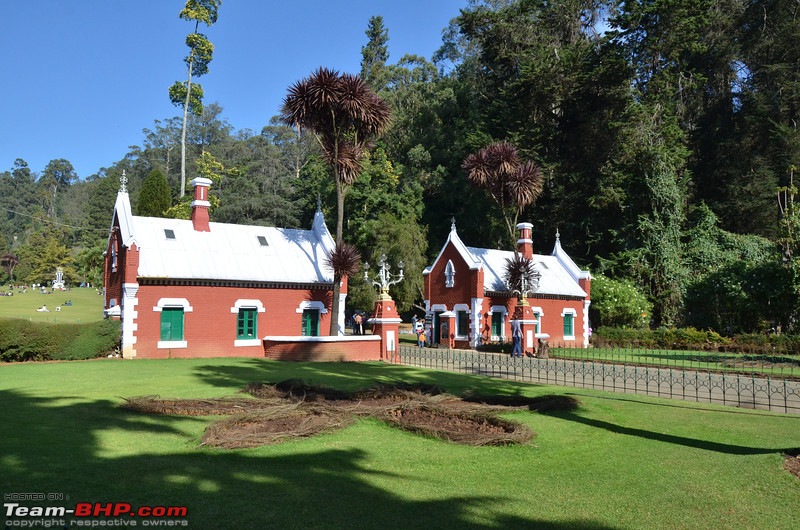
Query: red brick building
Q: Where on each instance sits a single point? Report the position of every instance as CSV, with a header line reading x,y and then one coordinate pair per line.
x,y
465,292
201,289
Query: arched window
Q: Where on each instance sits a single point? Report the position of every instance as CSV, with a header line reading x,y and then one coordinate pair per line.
x,y
449,274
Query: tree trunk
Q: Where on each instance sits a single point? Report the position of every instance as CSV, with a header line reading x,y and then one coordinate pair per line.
x,y
183,130
337,288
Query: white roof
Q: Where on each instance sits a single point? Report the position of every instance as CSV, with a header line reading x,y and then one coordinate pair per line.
x,y
228,251
555,279
559,274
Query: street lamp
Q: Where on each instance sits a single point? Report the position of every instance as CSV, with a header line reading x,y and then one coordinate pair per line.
x,y
385,278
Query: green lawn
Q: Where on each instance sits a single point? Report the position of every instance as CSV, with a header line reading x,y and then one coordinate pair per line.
x,y
768,365
616,462
87,306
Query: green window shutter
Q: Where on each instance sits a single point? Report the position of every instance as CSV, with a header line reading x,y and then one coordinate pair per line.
x,y
310,322
247,323
538,317
497,324
172,323
568,328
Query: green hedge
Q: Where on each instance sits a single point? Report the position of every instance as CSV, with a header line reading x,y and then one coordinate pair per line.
x,y
22,340
694,339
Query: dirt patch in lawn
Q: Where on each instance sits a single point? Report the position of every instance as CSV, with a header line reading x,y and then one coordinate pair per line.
x,y
791,462
295,409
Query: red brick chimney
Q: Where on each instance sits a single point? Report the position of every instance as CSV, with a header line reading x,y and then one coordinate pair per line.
x,y
525,241
200,204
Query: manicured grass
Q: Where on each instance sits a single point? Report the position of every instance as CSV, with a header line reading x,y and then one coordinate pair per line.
x,y
616,462
772,365
87,306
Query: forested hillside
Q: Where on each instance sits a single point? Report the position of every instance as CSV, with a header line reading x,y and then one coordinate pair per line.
x,y
665,132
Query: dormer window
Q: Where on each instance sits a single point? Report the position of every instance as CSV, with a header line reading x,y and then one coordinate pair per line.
x,y
262,240
169,234
449,274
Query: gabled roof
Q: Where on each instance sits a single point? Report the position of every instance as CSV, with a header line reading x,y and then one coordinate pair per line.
x,y
554,280
172,248
453,238
559,274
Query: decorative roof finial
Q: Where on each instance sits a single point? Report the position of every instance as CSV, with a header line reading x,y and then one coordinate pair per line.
x,y
558,236
123,180
453,224
319,203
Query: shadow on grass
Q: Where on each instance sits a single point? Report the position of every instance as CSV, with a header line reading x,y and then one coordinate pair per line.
x,y
346,376
64,448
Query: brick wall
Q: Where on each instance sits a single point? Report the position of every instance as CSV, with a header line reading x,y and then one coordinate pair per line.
x,y
363,348
210,326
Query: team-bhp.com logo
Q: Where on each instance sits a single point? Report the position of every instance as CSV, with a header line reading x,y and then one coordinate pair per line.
x,y
87,514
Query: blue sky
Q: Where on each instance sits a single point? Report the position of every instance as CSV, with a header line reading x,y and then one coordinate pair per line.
x,y
82,78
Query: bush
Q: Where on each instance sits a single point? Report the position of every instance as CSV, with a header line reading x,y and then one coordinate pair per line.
x,y
22,340
619,303
694,339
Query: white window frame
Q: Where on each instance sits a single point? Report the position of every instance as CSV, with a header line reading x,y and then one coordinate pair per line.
x,y
313,304
449,274
569,311
187,308
244,303
462,308
503,320
538,311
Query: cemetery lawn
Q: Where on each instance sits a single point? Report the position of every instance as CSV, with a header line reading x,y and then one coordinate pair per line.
x,y
87,306
618,461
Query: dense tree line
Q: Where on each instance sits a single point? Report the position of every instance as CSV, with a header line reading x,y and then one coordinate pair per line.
x,y
663,130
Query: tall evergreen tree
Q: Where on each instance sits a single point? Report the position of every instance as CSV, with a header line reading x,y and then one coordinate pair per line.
x,y
154,197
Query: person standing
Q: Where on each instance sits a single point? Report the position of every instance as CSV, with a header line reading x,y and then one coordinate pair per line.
x,y
516,337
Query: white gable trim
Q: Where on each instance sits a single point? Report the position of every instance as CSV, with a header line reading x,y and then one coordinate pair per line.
x,y
461,248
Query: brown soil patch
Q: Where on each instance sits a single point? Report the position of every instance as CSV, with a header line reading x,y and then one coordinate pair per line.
x,y
464,428
295,409
791,462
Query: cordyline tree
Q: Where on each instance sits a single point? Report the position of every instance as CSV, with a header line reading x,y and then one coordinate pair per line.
x,y
186,94
513,184
344,115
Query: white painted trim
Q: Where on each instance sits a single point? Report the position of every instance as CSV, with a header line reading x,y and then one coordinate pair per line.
x,y
173,302
205,204
128,318
503,310
569,311
313,304
246,342
326,338
390,320
438,307
172,344
244,303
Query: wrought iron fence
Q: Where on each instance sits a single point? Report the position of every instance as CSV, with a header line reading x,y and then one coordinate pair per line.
x,y
647,373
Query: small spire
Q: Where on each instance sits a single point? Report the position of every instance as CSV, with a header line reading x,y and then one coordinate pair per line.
x,y
123,180
558,236
319,204
453,224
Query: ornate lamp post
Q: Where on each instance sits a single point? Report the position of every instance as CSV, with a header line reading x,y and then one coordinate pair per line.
x,y
385,278
385,320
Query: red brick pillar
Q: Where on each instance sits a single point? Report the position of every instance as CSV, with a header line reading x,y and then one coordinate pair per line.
x,y
386,323
447,329
528,321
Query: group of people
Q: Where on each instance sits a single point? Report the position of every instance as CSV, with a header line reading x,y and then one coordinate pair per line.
x,y
358,323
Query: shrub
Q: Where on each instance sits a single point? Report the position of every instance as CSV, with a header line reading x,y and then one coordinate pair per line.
x,y
619,303
694,339
22,340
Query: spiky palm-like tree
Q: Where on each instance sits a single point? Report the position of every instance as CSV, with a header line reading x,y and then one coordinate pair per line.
x,y
344,115
521,275
344,260
511,182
